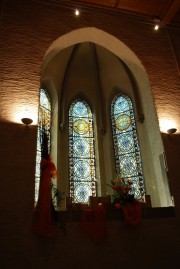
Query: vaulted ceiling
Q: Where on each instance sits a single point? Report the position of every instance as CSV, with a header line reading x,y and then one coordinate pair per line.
x,y
167,11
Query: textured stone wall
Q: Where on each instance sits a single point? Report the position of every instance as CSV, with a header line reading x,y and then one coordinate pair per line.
x,y
27,29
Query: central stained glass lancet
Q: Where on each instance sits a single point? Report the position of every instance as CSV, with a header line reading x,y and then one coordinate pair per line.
x,y
82,174
126,146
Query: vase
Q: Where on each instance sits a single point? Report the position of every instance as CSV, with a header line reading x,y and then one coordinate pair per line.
x,y
132,213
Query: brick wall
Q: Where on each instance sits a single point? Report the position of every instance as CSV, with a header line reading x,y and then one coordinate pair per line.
x,y
27,30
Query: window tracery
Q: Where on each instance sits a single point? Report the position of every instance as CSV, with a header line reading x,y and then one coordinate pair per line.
x,y
128,162
82,174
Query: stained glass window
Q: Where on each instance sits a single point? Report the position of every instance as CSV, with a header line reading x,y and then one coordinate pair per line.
x,y
44,121
126,146
82,175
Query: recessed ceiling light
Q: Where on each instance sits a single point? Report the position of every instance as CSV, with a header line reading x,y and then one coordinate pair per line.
x,y
156,24
156,27
77,12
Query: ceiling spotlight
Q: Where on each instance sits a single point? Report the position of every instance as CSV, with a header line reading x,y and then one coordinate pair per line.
x,y
171,131
156,24
77,12
156,27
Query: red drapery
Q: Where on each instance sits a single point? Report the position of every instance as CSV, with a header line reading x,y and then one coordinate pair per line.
x,y
43,221
94,224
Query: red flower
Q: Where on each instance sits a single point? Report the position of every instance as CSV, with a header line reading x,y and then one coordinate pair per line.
x,y
116,188
117,206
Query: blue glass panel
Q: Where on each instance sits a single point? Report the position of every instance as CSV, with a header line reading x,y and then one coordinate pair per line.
x,y
82,191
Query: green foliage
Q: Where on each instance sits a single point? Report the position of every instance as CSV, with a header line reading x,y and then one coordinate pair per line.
x,y
57,196
123,190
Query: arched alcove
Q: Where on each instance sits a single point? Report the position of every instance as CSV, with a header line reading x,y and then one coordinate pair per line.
x,y
149,135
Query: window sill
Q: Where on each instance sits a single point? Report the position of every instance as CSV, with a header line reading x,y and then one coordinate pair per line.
x,y
116,214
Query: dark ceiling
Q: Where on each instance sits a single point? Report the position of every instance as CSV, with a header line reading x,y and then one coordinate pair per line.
x,y
167,11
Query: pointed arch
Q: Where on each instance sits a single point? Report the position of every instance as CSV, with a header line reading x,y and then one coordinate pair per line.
x,y
149,133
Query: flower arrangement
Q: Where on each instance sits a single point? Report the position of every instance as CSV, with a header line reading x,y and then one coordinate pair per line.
x,y
123,198
123,191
